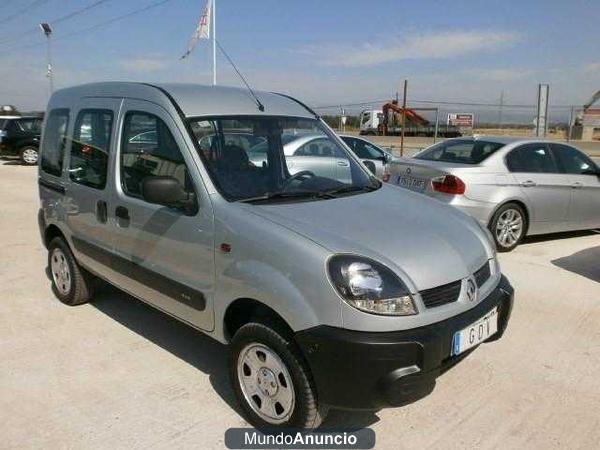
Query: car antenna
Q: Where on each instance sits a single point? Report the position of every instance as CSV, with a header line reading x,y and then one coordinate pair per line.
x,y
258,103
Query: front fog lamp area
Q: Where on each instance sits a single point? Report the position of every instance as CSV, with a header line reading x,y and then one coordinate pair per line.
x,y
370,286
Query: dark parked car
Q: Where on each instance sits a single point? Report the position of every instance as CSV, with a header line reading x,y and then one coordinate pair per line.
x,y
20,136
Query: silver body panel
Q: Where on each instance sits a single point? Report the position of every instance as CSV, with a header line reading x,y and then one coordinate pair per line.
x,y
278,252
554,202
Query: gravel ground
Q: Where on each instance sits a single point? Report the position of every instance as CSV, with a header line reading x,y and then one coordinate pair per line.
x,y
118,374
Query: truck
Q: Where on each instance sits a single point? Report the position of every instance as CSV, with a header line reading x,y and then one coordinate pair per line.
x,y
388,122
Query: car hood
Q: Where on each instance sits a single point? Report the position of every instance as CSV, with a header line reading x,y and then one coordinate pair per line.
x,y
420,238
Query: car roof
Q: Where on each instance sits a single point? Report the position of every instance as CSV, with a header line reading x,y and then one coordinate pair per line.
x,y
191,100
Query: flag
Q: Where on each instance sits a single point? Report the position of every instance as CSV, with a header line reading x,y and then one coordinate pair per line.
x,y
202,31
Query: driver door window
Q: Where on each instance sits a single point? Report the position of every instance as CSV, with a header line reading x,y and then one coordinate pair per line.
x,y
148,149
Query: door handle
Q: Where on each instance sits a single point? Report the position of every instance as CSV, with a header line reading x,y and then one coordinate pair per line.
x,y
577,185
343,163
122,213
101,211
528,183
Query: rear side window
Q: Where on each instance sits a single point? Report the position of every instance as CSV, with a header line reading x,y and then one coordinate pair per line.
x,y
149,149
55,140
572,160
90,148
30,125
2,123
531,158
460,151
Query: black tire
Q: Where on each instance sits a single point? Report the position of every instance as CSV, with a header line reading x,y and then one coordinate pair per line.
x,y
496,226
25,155
79,289
305,413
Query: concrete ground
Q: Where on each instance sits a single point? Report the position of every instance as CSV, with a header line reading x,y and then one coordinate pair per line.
x,y
118,374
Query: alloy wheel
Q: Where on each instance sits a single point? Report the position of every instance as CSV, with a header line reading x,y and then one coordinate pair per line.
x,y
509,227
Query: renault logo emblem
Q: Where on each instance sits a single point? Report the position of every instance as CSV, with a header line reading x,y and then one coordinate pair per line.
x,y
408,170
471,290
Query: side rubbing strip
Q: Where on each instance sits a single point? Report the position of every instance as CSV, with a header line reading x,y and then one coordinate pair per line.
x,y
177,291
52,186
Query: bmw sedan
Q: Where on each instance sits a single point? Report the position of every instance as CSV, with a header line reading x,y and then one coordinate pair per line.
x,y
513,186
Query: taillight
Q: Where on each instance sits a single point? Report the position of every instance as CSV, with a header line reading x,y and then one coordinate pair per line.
x,y
386,177
448,184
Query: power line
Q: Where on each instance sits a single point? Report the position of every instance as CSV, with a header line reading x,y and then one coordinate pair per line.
x,y
22,11
96,26
434,102
57,20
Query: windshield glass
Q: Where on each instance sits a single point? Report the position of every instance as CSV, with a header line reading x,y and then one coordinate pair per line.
x,y
460,151
268,158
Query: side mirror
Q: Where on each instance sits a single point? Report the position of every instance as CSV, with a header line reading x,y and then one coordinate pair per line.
x,y
371,166
167,191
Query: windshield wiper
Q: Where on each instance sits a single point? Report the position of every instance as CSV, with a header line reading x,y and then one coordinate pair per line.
x,y
349,189
287,195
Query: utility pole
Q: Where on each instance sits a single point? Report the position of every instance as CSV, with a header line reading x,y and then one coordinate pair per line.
x,y
214,41
45,27
570,128
500,109
403,118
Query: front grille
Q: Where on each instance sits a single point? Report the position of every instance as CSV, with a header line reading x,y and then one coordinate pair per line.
x,y
483,274
441,295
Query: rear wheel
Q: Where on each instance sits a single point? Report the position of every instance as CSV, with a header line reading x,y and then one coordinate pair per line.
x,y
508,226
271,380
71,283
29,155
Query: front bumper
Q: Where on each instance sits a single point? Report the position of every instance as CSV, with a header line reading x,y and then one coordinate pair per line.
x,y
362,370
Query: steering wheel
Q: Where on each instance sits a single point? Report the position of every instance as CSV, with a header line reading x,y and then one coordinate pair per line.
x,y
303,174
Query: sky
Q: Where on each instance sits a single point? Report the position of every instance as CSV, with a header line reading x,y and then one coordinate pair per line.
x,y
323,52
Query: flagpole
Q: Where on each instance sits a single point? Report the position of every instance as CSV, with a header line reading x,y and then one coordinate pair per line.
x,y
214,11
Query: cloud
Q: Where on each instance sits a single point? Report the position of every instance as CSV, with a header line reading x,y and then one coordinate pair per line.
x,y
592,67
444,45
144,65
500,75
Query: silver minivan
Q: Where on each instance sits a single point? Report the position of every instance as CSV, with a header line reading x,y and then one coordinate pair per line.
x,y
348,293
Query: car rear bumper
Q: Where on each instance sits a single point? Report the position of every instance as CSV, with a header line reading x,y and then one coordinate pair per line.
x,y
362,370
480,210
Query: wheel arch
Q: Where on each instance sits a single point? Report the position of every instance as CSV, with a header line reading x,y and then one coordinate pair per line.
x,y
518,202
244,310
50,232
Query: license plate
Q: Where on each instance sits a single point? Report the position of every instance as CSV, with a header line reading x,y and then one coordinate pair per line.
x,y
415,184
475,333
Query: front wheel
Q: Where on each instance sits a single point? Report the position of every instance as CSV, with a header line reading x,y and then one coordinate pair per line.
x,y
29,155
271,380
508,227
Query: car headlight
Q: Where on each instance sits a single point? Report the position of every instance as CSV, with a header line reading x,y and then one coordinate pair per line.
x,y
370,286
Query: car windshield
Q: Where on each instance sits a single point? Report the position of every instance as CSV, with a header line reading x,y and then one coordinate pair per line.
x,y
461,151
267,159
